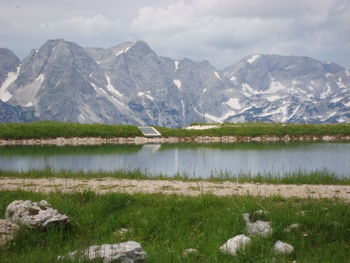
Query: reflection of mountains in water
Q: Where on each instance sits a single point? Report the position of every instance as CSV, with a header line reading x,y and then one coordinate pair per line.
x,y
244,146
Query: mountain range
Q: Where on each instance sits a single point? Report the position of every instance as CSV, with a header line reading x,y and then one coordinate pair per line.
x,y
130,83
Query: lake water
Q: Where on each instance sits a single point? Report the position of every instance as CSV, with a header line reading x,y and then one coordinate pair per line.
x,y
197,160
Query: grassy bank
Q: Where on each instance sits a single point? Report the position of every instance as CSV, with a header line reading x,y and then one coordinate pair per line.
x,y
166,225
317,177
46,129
260,129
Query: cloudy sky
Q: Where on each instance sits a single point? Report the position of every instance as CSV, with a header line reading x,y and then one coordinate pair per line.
x,y
221,31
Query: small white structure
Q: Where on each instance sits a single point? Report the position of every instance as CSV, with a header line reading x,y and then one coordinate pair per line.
x,y
149,132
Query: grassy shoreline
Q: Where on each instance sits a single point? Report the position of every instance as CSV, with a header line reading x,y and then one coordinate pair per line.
x,y
50,130
322,177
167,225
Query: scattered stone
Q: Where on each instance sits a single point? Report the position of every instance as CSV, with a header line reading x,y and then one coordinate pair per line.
x,y
34,214
301,213
123,231
291,227
260,212
234,244
283,248
190,251
7,231
127,252
258,228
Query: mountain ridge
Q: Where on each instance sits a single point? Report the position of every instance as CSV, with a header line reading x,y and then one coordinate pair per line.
x,y
130,83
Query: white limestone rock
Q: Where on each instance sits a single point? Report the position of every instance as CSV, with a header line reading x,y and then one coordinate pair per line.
x,y
7,231
123,231
234,244
190,251
292,227
257,228
127,252
282,248
34,214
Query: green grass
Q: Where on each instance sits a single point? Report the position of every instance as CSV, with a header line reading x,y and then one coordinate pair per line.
x,y
260,129
166,225
317,177
48,129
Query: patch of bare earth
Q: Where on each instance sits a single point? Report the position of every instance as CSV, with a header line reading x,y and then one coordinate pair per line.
x,y
105,185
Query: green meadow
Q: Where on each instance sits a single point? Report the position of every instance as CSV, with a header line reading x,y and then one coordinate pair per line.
x,y
167,225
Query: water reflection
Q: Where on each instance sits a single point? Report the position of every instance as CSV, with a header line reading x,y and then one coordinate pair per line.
x,y
193,160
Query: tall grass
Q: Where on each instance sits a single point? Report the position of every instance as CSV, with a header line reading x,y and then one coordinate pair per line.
x,y
317,177
166,225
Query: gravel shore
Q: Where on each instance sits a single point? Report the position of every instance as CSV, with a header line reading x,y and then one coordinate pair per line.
x,y
105,185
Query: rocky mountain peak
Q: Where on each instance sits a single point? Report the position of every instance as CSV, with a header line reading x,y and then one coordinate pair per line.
x,y
130,83
9,62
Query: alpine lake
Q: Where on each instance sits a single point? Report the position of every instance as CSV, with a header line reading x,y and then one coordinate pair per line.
x,y
191,160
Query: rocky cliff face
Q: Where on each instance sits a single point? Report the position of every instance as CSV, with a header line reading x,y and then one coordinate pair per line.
x,y
130,83
11,113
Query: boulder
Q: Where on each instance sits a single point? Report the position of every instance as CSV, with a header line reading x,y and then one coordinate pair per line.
x,y
34,214
127,252
234,244
7,231
257,228
283,248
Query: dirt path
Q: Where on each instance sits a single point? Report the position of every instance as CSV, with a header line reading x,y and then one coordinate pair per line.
x,y
105,185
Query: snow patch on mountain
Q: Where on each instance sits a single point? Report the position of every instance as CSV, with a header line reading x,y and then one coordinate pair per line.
x,y
294,112
178,83
330,115
176,62
145,94
275,86
326,93
252,59
341,83
41,78
111,88
11,77
234,103
125,49
284,112
248,89
217,75
183,108
233,79
273,98
335,100
290,67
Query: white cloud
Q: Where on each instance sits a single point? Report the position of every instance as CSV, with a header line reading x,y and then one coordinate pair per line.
x,y
85,26
221,31
225,30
